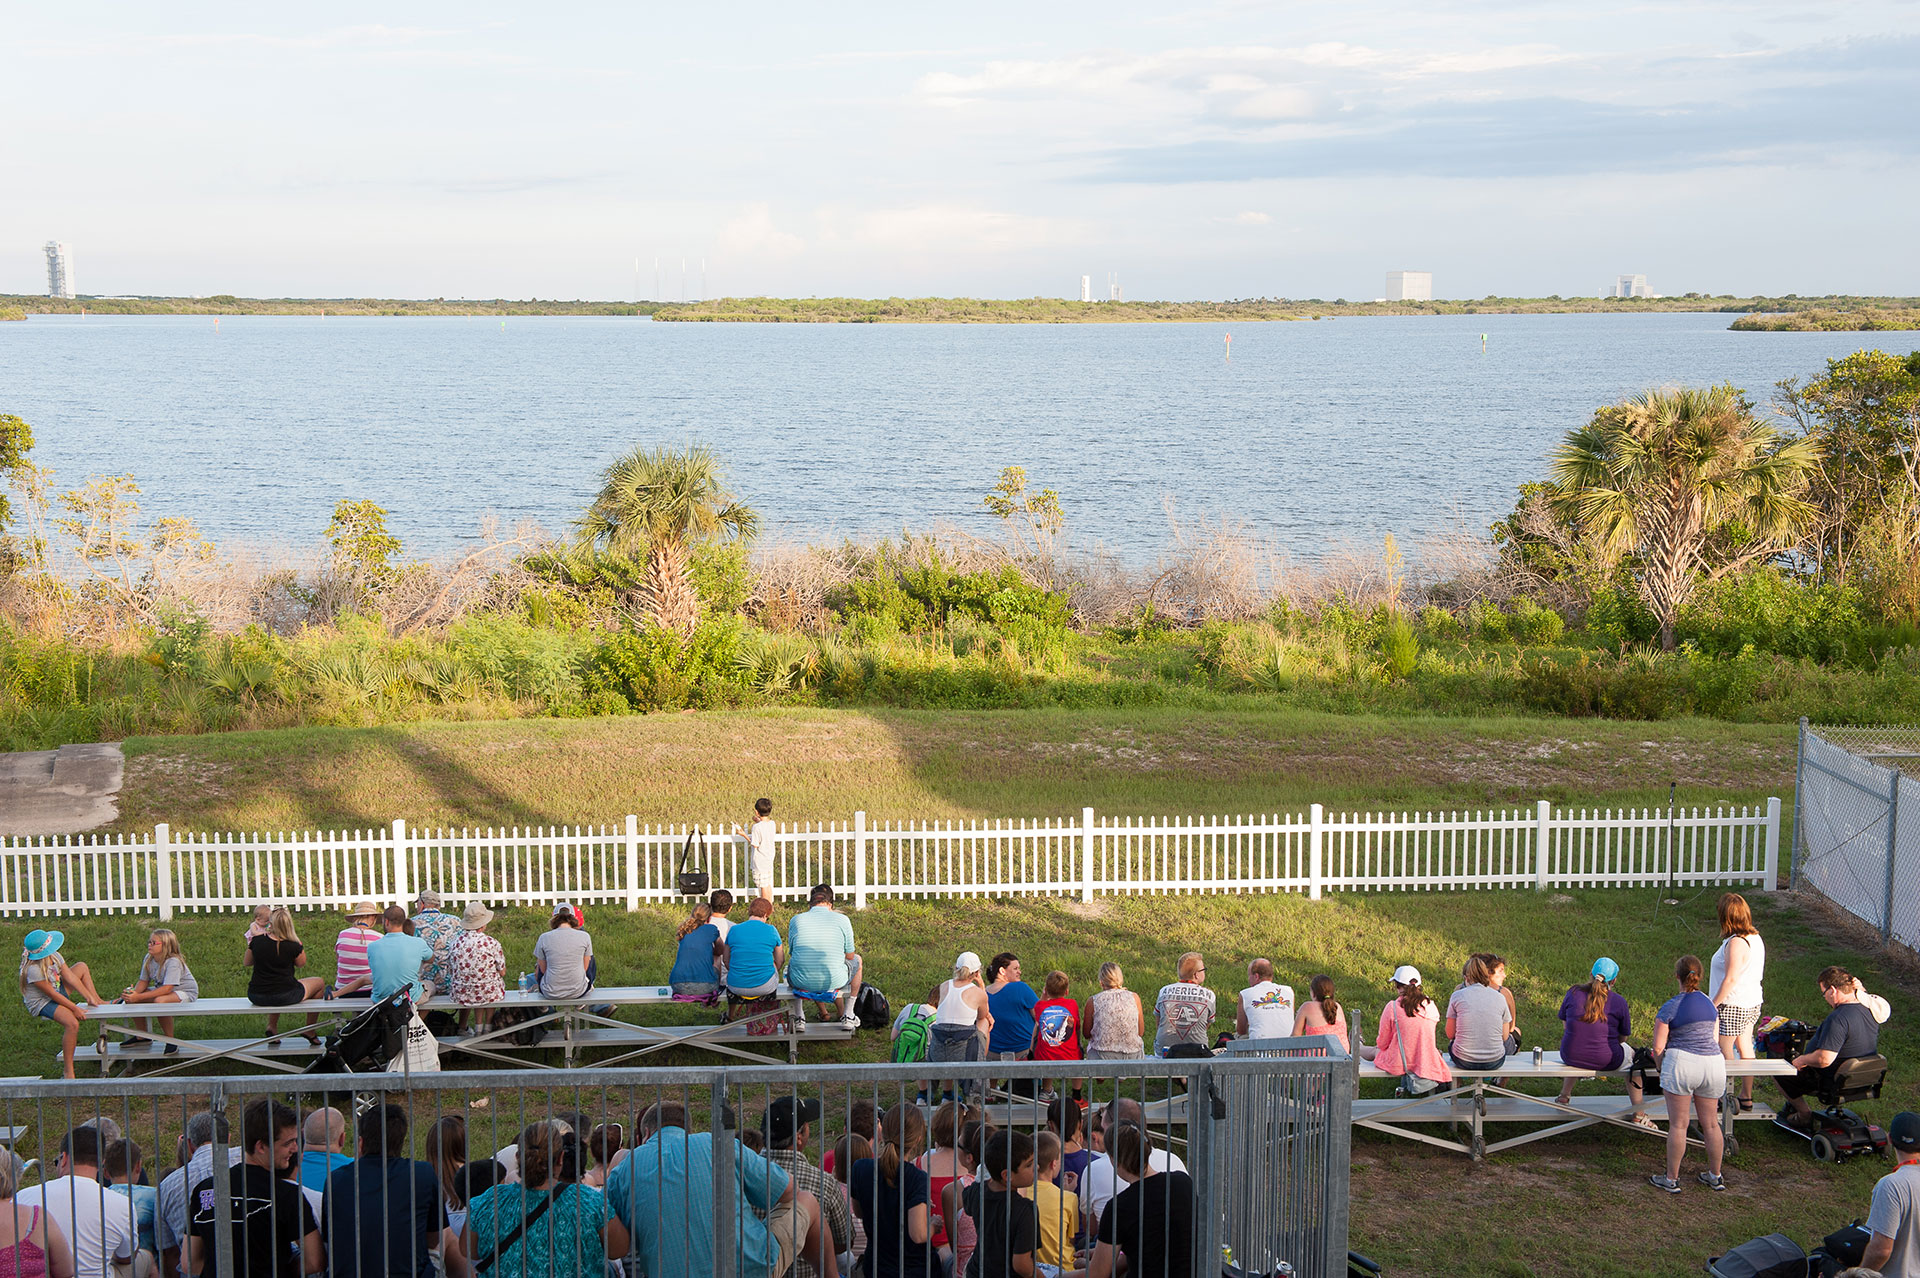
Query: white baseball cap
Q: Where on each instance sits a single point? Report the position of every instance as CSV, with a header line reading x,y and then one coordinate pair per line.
x,y
967,962
1406,974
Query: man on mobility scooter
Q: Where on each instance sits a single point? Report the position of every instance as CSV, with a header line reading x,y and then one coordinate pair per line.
x,y
1838,1063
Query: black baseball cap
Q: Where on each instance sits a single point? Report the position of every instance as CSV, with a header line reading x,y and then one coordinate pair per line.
x,y
1904,1131
787,1114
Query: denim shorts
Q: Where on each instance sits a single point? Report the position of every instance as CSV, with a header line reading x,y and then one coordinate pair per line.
x,y
49,1010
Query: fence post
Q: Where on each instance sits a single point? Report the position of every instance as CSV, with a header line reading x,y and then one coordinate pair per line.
x,y
223,1257
163,868
1316,850
1204,1155
1893,849
1542,839
401,892
1086,856
1799,798
726,1228
1773,844
860,860
633,863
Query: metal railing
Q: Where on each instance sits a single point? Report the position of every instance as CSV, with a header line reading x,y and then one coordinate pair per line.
x,y
1309,852
1264,1142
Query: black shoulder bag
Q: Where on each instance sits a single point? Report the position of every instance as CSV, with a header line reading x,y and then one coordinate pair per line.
x,y
693,882
485,1262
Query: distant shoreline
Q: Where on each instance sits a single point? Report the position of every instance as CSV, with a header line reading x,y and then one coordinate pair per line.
x,y
1758,314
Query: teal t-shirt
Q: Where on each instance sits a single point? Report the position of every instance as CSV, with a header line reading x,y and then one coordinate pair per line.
x,y
750,948
394,963
818,942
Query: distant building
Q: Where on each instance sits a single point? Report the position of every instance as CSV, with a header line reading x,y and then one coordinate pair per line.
x,y
59,270
1632,286
1409,286
1086,288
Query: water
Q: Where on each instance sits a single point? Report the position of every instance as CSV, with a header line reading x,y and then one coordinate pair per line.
x,y
1317,434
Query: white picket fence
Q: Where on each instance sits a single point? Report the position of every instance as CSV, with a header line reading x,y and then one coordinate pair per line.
x,y
1309,852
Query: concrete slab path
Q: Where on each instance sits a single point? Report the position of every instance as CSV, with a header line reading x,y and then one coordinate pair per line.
x,y
66,791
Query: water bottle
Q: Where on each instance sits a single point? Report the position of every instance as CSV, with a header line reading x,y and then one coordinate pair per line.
x,y
526,981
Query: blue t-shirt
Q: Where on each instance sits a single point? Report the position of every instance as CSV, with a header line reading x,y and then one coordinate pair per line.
x,y
818,942
144,1199
693,963
750,948
315,1167
394,963
1693,1024
1012,1008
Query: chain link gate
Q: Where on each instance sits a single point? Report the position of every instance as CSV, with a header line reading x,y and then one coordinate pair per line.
x,y
1856,823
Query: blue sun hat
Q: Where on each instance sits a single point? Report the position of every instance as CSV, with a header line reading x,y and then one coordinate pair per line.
x,y
1606,969
40,944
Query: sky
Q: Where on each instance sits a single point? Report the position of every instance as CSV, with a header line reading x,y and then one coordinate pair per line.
x,y
1215,150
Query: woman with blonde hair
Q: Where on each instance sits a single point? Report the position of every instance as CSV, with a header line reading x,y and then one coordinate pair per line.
x,y
1113,1021
1734,979
961,1018
31,1242
164,978
273,958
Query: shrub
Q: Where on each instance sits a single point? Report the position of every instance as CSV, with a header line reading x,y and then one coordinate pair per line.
x,y
521,660
1618,616
1534,624
1486,622
1398,648
654,669
1440,625
1771,612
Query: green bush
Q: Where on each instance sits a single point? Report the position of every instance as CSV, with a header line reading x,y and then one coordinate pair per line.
x,y
1533,624
1619,617
1398,647
1486,622
654,669
1440,625
1640,689
521,660
1771,612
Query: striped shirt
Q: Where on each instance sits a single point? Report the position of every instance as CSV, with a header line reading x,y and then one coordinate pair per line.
x,y
350,953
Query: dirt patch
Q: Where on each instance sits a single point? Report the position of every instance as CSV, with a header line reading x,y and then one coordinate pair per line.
x,y
165,779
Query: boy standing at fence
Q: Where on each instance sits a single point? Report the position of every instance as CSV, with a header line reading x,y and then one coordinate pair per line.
x,y
759,838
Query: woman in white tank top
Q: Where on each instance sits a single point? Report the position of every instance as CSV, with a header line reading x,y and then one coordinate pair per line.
x,y
961,1021
1734,980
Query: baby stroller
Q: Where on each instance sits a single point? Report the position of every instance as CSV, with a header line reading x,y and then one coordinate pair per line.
x,y
1837,1132
368,1042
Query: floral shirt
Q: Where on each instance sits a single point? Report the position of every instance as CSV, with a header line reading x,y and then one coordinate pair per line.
x,y
565,1242
439,930
475,964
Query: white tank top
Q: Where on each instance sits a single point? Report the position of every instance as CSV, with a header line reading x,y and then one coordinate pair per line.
x,y
954,1009
1746,991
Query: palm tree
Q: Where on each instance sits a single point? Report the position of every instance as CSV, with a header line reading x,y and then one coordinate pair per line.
x,y
665,503
1688,483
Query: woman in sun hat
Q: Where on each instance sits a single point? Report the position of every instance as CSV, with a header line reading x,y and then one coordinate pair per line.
x,y
49,985
350,975
477,964
1597,1023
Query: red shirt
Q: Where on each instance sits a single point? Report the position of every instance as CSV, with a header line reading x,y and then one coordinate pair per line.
x,y
1056,1030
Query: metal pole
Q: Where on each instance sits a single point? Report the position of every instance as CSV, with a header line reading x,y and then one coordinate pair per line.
x,y
1893,847
726,1228
1341,1084
1799,799
222,1191
1202,1151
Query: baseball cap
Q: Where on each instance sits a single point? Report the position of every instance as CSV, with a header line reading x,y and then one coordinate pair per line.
x,y
1606,969
786,1114
1904,1131
1406,974
967,962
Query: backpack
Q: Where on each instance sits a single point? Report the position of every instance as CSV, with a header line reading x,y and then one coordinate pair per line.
x,y
528,1036
872,1008
915,1032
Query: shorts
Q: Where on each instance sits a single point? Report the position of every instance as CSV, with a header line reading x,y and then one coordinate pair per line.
x,y
788,1225
695,989
50,1010
279,998
761,868
1808,1082
803,988
1114,1054
1461,1062
1690,1074
1619,1061
754,991
1737,1023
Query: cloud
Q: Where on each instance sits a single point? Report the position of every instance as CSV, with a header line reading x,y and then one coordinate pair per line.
x,y
947,229
752,234
1251,218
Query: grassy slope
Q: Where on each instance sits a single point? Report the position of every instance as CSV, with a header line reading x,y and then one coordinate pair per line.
x,y
1509,1216
825,764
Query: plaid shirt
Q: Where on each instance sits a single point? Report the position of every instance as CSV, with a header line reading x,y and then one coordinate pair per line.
x,y
833,1203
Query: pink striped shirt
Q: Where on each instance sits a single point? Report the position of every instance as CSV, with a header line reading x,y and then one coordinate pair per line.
x,y
350,953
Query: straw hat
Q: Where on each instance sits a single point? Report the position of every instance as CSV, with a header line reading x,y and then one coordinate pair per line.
x,y
364,910
477,916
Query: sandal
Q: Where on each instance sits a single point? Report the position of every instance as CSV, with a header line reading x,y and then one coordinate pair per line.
x,y
1641,1120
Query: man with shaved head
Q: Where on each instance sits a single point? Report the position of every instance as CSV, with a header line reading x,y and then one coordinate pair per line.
x,y
1097,1186
323,1143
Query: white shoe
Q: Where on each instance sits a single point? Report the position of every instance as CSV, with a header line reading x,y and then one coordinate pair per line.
x,y
850,1021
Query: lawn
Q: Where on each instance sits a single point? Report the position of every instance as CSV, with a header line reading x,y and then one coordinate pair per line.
x,y
825,764
1552,1209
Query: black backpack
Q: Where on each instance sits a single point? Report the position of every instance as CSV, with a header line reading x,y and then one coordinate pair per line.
x,y
1774,1256
872,1008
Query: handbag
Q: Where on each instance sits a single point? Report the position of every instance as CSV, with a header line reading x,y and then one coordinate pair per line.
x,y
695,882
1410,1083
513,1235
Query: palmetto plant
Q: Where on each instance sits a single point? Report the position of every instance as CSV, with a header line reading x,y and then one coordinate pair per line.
x,y
665,502
1688,484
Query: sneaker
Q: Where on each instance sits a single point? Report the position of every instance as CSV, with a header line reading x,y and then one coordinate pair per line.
x,y
850,1021
1048,1096
1713,1182
1662,1182
171,1049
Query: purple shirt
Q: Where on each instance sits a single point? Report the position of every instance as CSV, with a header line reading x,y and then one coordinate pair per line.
x,y
1593,1044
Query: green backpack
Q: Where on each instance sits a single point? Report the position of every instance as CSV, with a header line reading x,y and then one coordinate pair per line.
x,y
910,1044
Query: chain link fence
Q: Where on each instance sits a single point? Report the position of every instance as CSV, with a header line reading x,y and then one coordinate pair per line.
x,y
1856,823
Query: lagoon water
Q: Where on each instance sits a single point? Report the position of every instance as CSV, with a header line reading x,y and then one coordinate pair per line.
x,y
1315,433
